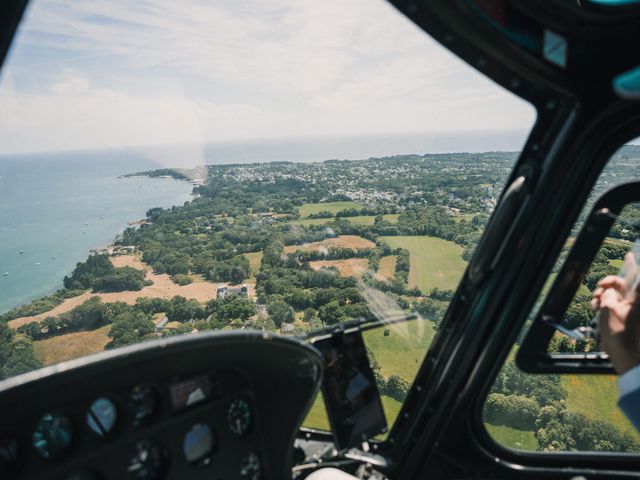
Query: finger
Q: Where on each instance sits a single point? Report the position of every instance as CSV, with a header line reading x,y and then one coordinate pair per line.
x,y
629,267
614,282
612,302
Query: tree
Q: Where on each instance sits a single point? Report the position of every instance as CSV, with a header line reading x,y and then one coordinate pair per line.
x,y
280,312
331,313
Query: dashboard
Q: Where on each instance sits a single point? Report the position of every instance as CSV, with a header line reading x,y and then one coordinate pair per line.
x,y
215,406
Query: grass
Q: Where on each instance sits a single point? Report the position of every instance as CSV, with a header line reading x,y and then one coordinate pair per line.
x,y
434,262
616,263
350,267
512,438
333,207
71,345
387,268
346,241
400,352
359,220
467,217
255,261
596,396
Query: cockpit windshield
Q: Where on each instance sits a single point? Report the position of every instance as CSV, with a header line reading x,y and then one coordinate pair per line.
x,y
169,168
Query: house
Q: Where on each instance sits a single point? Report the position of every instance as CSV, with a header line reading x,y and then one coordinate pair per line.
x,y
240,290
160,324
286,328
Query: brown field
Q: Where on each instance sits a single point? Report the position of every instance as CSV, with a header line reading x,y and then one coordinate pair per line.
x,y
350,267
71,345
387,268
345,241
163,287
255,261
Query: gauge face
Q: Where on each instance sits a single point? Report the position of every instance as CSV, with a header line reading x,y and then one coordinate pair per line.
x,y
143,404
149,461
239,417
102,416
52,435
199,445
250,468
9,454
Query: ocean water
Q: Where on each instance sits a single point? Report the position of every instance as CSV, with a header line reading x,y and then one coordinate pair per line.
x,y
56,207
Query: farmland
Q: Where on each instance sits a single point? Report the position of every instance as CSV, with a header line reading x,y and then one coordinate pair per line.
x,y
434,262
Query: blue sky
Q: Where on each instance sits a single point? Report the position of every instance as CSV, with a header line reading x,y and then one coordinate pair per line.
x,y
92,74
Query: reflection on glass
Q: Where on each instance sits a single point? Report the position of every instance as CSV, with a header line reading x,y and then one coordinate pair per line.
x,y
198,445
102,416
53,435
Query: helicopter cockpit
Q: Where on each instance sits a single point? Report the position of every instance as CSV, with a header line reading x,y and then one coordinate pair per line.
x,y
248,333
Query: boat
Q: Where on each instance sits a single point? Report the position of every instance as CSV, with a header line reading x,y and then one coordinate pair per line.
x,y
5,274
21,252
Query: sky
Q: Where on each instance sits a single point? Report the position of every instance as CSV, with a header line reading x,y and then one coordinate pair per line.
x,y
88,74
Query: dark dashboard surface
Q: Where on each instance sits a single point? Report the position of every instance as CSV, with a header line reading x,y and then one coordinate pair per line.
x,y
216,406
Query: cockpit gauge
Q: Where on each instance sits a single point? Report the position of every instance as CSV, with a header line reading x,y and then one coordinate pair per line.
x,y
239,417
9,454
250,468
199,445
149,462
102,416
143,404
53,435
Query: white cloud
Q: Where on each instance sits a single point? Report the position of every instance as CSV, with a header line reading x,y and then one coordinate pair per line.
x,y
160,71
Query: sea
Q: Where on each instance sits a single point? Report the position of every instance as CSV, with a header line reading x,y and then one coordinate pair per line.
x,y
56,207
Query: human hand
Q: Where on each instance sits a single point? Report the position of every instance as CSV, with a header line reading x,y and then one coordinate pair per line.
x,y
619,316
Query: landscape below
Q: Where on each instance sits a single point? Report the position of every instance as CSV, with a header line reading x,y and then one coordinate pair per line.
x,y
293,247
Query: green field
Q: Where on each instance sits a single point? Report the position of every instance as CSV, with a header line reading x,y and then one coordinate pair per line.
x,y
616,263
434,262
596,396
467,217
512,438
255,261
400,352
359,220
333,207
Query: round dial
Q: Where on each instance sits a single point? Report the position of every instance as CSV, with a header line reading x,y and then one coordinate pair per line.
x,y
102,416
52,435
239,417
9,455
250,468
149,461
143,403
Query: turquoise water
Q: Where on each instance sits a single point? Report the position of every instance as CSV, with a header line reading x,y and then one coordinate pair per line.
x,y
56,207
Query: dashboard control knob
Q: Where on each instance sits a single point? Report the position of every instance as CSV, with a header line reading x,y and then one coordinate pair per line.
x,y
143,404
250,468
53,435
149,462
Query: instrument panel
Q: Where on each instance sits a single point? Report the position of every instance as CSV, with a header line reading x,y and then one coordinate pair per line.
x,y
160,417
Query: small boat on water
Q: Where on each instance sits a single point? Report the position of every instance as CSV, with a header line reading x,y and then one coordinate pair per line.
x,y
37,264
21,252
5,274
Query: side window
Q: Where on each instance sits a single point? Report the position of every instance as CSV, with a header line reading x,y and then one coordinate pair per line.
x,y
549,412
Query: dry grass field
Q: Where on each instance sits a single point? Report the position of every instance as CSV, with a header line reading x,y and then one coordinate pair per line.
x,y
350,267
71,345
346,241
